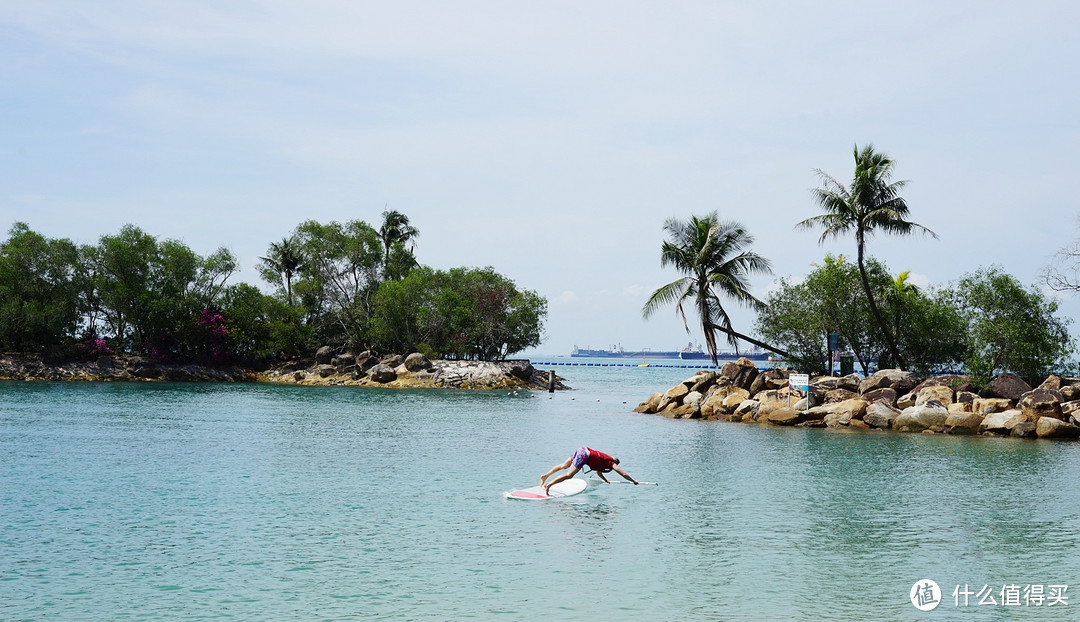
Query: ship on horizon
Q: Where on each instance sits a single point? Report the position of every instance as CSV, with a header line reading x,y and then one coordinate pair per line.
x,y
692,352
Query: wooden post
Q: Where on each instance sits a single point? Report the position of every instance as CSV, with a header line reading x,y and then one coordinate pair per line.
x,y
551,381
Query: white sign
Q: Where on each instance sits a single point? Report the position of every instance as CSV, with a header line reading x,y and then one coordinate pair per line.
x,y
799,382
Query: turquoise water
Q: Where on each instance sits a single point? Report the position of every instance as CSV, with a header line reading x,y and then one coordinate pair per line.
x,y
195,501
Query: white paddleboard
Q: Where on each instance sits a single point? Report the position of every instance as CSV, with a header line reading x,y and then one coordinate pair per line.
x,y
565,488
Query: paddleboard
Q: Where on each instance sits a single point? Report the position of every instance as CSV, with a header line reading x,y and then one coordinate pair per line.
x,y
565,488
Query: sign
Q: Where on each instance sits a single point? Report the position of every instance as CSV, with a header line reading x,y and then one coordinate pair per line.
x,y
834,341
799,382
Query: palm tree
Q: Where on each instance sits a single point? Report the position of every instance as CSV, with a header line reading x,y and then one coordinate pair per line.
x,y
870,203
715,257
395,229
284,260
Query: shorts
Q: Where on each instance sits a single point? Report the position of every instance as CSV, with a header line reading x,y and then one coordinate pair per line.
x,y
580,456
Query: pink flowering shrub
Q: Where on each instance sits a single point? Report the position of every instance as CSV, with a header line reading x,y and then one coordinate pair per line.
x,y
95,347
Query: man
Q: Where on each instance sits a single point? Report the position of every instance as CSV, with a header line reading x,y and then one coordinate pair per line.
x,y
598,461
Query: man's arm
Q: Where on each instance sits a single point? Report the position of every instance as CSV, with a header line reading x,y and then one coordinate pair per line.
x,y
624,474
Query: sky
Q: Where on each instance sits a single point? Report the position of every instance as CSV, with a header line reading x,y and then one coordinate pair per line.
x,y
549,140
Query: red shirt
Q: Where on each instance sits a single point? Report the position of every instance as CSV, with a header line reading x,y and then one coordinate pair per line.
x,y
599,461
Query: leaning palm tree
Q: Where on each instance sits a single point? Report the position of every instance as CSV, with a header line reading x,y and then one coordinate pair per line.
x,y
870,203
395,229
715,257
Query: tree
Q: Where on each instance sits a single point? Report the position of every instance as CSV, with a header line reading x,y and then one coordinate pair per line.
x,y
342,271
1063,273
800,316
870,203
1010,328
715,257
396,231
39,300
459,314
280,265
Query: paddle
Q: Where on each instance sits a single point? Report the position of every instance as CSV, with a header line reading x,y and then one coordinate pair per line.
x,y
620,481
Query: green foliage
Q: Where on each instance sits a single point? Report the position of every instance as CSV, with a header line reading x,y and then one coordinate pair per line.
x,y
459,314
39,280
338,283
801,315
339,275
1010,328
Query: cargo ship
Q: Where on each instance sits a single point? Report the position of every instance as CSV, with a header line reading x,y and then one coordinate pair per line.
x,y
691,352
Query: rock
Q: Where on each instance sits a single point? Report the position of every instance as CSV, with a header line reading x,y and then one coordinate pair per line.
x,y
839,395
987,405
324,355
922,417
1049,427
325,371
742,372
344,363
1052,382
786,416
837,420
734,400
382,373
418,362
880,415
1024,429
649,406
693,400
148,372
907,400
714,404
1009,386
673,395
703,381
938,393
1069,411
769,379
1041,403
900,381
963,423
746,412
1000,422
885,394
392,361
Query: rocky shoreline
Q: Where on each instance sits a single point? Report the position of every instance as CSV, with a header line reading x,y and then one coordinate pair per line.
x,y
890,399
364,370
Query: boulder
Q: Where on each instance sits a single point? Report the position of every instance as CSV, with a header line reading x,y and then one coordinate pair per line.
x,y
1049,427
418,362
649,406
673,395
1041,403
392,361
703,381
940,393
769,379
1024,429
900,381
925,416
786,416
884,394
693,400
771,400
325,371
734,399
963,423
382,373
1052,382
839,395
747,411
1008,386
880,415
907,400
987,405
742,372
1070,411
518,369
344,362
1000,422
1071,391
324,355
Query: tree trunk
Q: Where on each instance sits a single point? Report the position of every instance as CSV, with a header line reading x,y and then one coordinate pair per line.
x,y
889,339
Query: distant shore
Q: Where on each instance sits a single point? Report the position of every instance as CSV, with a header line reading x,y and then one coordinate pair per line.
x,y
509,375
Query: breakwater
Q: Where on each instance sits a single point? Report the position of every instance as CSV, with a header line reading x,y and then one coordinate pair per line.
x,y
887,400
